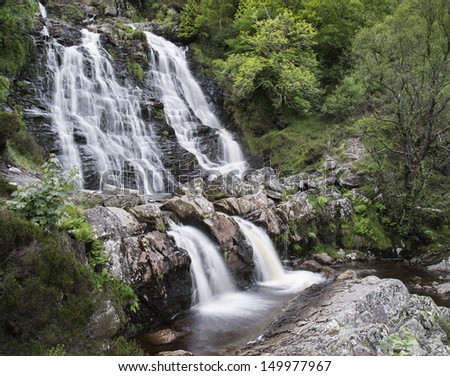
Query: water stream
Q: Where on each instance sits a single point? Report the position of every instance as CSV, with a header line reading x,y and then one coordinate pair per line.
x,y
186,107
223,319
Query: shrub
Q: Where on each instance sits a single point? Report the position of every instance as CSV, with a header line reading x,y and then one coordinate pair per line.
x,y
44,203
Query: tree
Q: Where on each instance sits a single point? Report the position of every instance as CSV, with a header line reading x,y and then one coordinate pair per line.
x,y
404,65
277,59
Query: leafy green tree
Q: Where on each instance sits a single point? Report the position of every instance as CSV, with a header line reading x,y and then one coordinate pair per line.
x,y
277,59
404,64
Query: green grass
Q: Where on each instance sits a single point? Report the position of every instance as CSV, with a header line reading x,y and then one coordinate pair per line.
x,y
303,143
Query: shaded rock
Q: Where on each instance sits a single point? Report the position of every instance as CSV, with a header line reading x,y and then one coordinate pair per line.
x,y
104,323
314,266
357,317
238,255
323,258
161,337
151,215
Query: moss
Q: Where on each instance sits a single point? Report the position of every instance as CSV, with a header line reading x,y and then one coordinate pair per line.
x,y
16,18
135,70
10,124
4,88
72,14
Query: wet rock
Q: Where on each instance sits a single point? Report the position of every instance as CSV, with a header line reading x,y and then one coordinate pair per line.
x,y
442,266
357,317
161,337
238,255
314,266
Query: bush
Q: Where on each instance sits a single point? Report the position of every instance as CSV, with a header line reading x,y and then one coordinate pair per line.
x,y
9,126
44,203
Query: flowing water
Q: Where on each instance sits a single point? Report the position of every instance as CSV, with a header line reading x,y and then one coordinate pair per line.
x,y
98,120
186,107
223,319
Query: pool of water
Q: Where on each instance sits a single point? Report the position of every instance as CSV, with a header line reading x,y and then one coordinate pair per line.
x,y
232,320
418,280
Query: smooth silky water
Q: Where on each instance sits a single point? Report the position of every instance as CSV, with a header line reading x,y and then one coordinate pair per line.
x,y
223,319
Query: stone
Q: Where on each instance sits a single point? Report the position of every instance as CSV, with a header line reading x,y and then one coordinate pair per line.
x,y
314,266
323,258
151,215
124,201
161,337
175,353
442,266
104,323
368,316
330,163
112,223
348,274
443,288
192,207
238,255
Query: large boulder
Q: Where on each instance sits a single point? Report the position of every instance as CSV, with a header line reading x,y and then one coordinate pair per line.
x,y
357,317
238,255
190,208
157,270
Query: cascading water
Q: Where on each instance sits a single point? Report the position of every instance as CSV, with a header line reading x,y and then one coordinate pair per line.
x,y
269,268
98,120
186,107
209,273
266,259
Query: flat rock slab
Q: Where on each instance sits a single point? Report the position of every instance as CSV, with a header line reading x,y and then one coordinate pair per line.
x,y
369,316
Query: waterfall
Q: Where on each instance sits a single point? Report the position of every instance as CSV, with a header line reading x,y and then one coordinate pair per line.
x,y
209,273
186,107
267,262
99,121
269,268
43,11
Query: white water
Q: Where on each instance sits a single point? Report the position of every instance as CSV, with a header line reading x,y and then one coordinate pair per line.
x,y
90,102
43,11
186,107
270,271
209,273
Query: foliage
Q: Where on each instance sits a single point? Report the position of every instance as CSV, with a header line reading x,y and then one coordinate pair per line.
x,y
135,70
46,294
345,99
4,88
76,225
57,350
9,126
72,14
16,18
403,63
124,347
278,60
44,203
